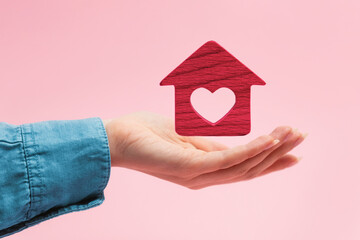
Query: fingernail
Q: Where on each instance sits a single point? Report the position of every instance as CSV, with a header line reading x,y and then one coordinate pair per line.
x,y
276,141
273,143
305,135
299,158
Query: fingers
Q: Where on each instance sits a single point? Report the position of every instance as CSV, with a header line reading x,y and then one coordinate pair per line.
x,y
295,139
253,167
213,161
281,134
262,144
285,161
240,162
282,163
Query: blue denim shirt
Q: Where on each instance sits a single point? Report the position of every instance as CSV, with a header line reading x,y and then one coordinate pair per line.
x,y
50,168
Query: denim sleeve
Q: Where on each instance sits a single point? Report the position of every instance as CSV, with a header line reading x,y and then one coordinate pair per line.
x,y
50,168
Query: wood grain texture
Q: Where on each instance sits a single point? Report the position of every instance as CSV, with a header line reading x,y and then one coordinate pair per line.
x,y
212,67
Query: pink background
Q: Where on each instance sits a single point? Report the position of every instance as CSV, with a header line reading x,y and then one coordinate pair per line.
x,y
78,59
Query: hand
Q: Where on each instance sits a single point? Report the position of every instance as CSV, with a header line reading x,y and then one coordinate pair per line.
x,y
148,143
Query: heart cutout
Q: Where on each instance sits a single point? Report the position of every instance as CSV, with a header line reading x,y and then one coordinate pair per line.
x,y
212,106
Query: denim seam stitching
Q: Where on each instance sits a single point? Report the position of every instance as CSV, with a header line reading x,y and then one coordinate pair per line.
x,y
38,165
28,171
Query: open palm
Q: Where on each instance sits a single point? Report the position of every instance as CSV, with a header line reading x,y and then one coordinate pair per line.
x,y
148,143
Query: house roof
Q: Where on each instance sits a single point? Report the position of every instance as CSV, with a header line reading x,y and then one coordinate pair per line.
x,y
211,62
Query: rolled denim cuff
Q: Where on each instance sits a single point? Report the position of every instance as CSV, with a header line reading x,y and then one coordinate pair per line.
x,y
67,165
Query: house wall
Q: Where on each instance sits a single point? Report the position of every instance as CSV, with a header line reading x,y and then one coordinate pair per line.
x,y
190,123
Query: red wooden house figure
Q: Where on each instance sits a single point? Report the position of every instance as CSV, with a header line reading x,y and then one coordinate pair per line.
x,y
212,67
